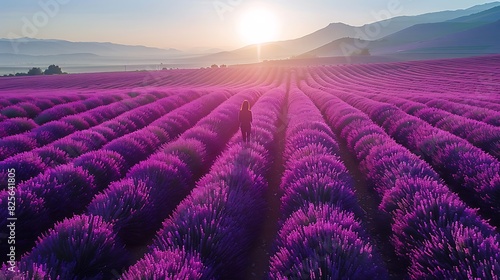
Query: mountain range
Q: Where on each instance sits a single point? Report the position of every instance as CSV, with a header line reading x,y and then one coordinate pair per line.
x,y
336,31
474,34
472,31
334,39
29,46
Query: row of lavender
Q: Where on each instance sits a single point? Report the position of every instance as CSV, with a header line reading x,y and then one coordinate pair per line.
x,y
37,109
71,123
478,113
432,228
12,106
64,118
130,211
210,233
135,81
445,78
29,116
110,123
481,135
468,170
486,109
41,116
375,78
153,188
49,197
321,236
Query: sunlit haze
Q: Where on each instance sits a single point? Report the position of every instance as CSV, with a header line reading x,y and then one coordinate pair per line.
x,y
193,24
258,25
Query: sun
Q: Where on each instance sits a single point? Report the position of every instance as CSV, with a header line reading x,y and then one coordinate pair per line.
x,y
258,25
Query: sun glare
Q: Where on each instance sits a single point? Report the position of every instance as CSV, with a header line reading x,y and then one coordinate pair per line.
x,y
258,26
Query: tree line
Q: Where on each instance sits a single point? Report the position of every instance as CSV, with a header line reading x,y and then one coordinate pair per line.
x,y
36,71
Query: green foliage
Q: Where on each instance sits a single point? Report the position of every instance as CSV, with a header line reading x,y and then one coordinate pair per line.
x,y
53,70
35,71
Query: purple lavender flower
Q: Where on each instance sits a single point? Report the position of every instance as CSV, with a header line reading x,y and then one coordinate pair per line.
x,y
15,126
172,264
12,145
130,208
32,219
82,247
66,189
325,250
30,163
105,166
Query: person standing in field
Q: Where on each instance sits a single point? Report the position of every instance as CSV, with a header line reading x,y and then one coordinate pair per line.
x,y
245,119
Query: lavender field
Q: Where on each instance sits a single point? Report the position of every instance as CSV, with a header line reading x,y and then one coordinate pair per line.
x,y
369,171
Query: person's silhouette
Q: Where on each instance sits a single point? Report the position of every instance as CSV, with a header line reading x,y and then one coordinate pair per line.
x,y
245,119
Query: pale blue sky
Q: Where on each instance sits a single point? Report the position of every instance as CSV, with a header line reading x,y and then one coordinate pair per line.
x,y
187,24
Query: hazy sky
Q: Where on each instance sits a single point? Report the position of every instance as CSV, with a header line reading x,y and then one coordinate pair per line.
x,y
187,24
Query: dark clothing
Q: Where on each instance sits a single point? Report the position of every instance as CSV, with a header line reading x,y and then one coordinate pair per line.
x,y
245,119
245,133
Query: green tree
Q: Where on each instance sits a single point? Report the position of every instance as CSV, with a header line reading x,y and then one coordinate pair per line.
x,y
35,71
53,70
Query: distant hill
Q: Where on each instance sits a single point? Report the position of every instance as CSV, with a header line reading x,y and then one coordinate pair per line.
x,y
9,59
488,16
396,24
476,31
336,31
340,47
29,46
422,37
332,32
250,54
480,40
310,43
